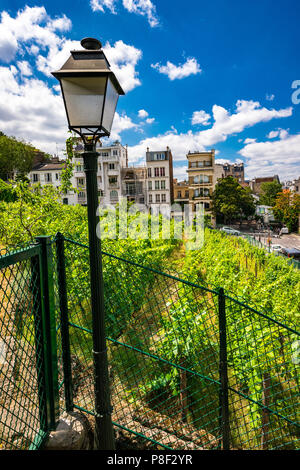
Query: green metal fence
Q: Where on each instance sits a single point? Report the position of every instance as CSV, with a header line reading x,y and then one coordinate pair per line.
x,y
28,379
190,367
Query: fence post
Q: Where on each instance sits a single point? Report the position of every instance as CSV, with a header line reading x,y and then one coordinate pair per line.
x,y
49,329
64,320
35,287
223,374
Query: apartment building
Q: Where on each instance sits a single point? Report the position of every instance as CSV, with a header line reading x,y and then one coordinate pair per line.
x,y
236,170
181,192
134,184
111,161
255,183
49,173
159,166
201,178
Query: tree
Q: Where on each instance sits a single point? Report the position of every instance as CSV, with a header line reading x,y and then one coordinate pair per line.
x,y
15,155
231,201
287,209
269,193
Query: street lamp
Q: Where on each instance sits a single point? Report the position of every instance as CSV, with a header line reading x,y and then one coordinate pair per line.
x,y
90,91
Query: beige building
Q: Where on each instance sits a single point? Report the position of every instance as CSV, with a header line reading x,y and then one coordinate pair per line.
x,y
256,183
181,192
134,186
201,178
159,177
236,170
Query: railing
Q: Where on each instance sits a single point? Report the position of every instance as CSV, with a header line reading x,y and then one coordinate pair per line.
x,y
191,367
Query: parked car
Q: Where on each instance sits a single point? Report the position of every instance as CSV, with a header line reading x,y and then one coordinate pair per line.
x,y
230,231
276,248
291,253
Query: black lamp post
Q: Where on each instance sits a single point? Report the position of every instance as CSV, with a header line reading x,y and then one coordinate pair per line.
x,y
90,91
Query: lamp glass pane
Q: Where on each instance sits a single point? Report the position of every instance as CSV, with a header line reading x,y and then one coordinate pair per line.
x,y
84,99
110,106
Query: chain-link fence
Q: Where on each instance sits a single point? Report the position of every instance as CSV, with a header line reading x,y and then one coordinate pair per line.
x,y
190,367
27,348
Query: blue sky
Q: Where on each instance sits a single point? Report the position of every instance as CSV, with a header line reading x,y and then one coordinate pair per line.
x,y
198,75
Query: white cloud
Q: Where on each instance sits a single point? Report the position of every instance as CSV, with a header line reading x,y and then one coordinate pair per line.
x,y
139,7
270,97
190,67
123,59
150,120
201,117
121,123
280,157
25,68
281,133
180,173
33,26
272,135
31,109
98,5
144,8
249,141
143,113
29,25
247,114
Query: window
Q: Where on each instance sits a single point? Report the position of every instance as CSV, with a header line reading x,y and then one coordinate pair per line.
x,y
114,195
150,198
179,194
149,172
163,184
56,176
201,179
196,193
157,197
100,167
207,163
115,153
65,200
150,185
80,182
48,177
104,154
186,194
113,181
156,185
162,171
81,195
142,200
159,156
156,171
111,166
79,167
130,189
163,198
35,177
193,164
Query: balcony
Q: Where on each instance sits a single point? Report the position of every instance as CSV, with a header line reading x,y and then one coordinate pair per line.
x,y
114,172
